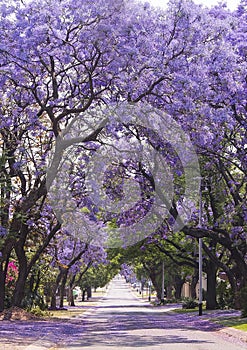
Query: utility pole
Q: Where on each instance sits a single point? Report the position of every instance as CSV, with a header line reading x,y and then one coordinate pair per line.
x,y
149,290
200,251
162,283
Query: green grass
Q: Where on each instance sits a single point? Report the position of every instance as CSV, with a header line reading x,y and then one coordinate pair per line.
x,y
235,322
66,314
184,311
242,327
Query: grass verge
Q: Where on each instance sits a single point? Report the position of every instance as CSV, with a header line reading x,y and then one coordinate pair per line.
x,y
234,322
225,321
72,312
184,311
65,314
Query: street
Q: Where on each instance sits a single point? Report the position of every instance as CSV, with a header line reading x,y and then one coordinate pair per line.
x,y
121,321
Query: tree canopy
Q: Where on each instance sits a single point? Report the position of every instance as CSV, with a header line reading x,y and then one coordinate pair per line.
x,y
112,114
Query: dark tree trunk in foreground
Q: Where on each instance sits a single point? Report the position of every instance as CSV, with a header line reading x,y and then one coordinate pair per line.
x,y
19,291
194,282
2,288
211,302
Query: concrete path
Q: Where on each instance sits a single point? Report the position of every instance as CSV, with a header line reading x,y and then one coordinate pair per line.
x,y
120,321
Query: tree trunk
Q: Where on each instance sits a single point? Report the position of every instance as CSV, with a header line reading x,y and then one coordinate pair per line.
x,y
72,299
89,292
19,292
194,282
83,295
157,287
179,282
53,304
62,287
2,288
54,291
71,287
169,291
155,277
211,302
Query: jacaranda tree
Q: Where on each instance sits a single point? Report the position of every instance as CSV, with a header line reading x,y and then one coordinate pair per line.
x,y
65,66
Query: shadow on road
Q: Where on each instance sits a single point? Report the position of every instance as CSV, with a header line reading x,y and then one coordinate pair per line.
x,y
117,323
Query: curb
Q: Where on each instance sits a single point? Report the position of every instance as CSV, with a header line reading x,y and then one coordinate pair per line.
x,y
234,333
140,298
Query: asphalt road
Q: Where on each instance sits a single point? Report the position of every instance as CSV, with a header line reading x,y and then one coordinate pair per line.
x,y
122,321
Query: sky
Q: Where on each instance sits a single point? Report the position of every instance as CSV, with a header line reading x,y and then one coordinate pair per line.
x,y
232,4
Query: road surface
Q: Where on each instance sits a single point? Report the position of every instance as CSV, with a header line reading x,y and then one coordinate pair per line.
x,y
120,321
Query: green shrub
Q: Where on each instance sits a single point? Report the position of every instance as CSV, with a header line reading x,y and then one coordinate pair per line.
x,y
225,298
33,300
189,303
40,313
171,301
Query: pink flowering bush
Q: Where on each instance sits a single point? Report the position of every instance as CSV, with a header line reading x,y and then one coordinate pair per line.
x,y
12,274
11,278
